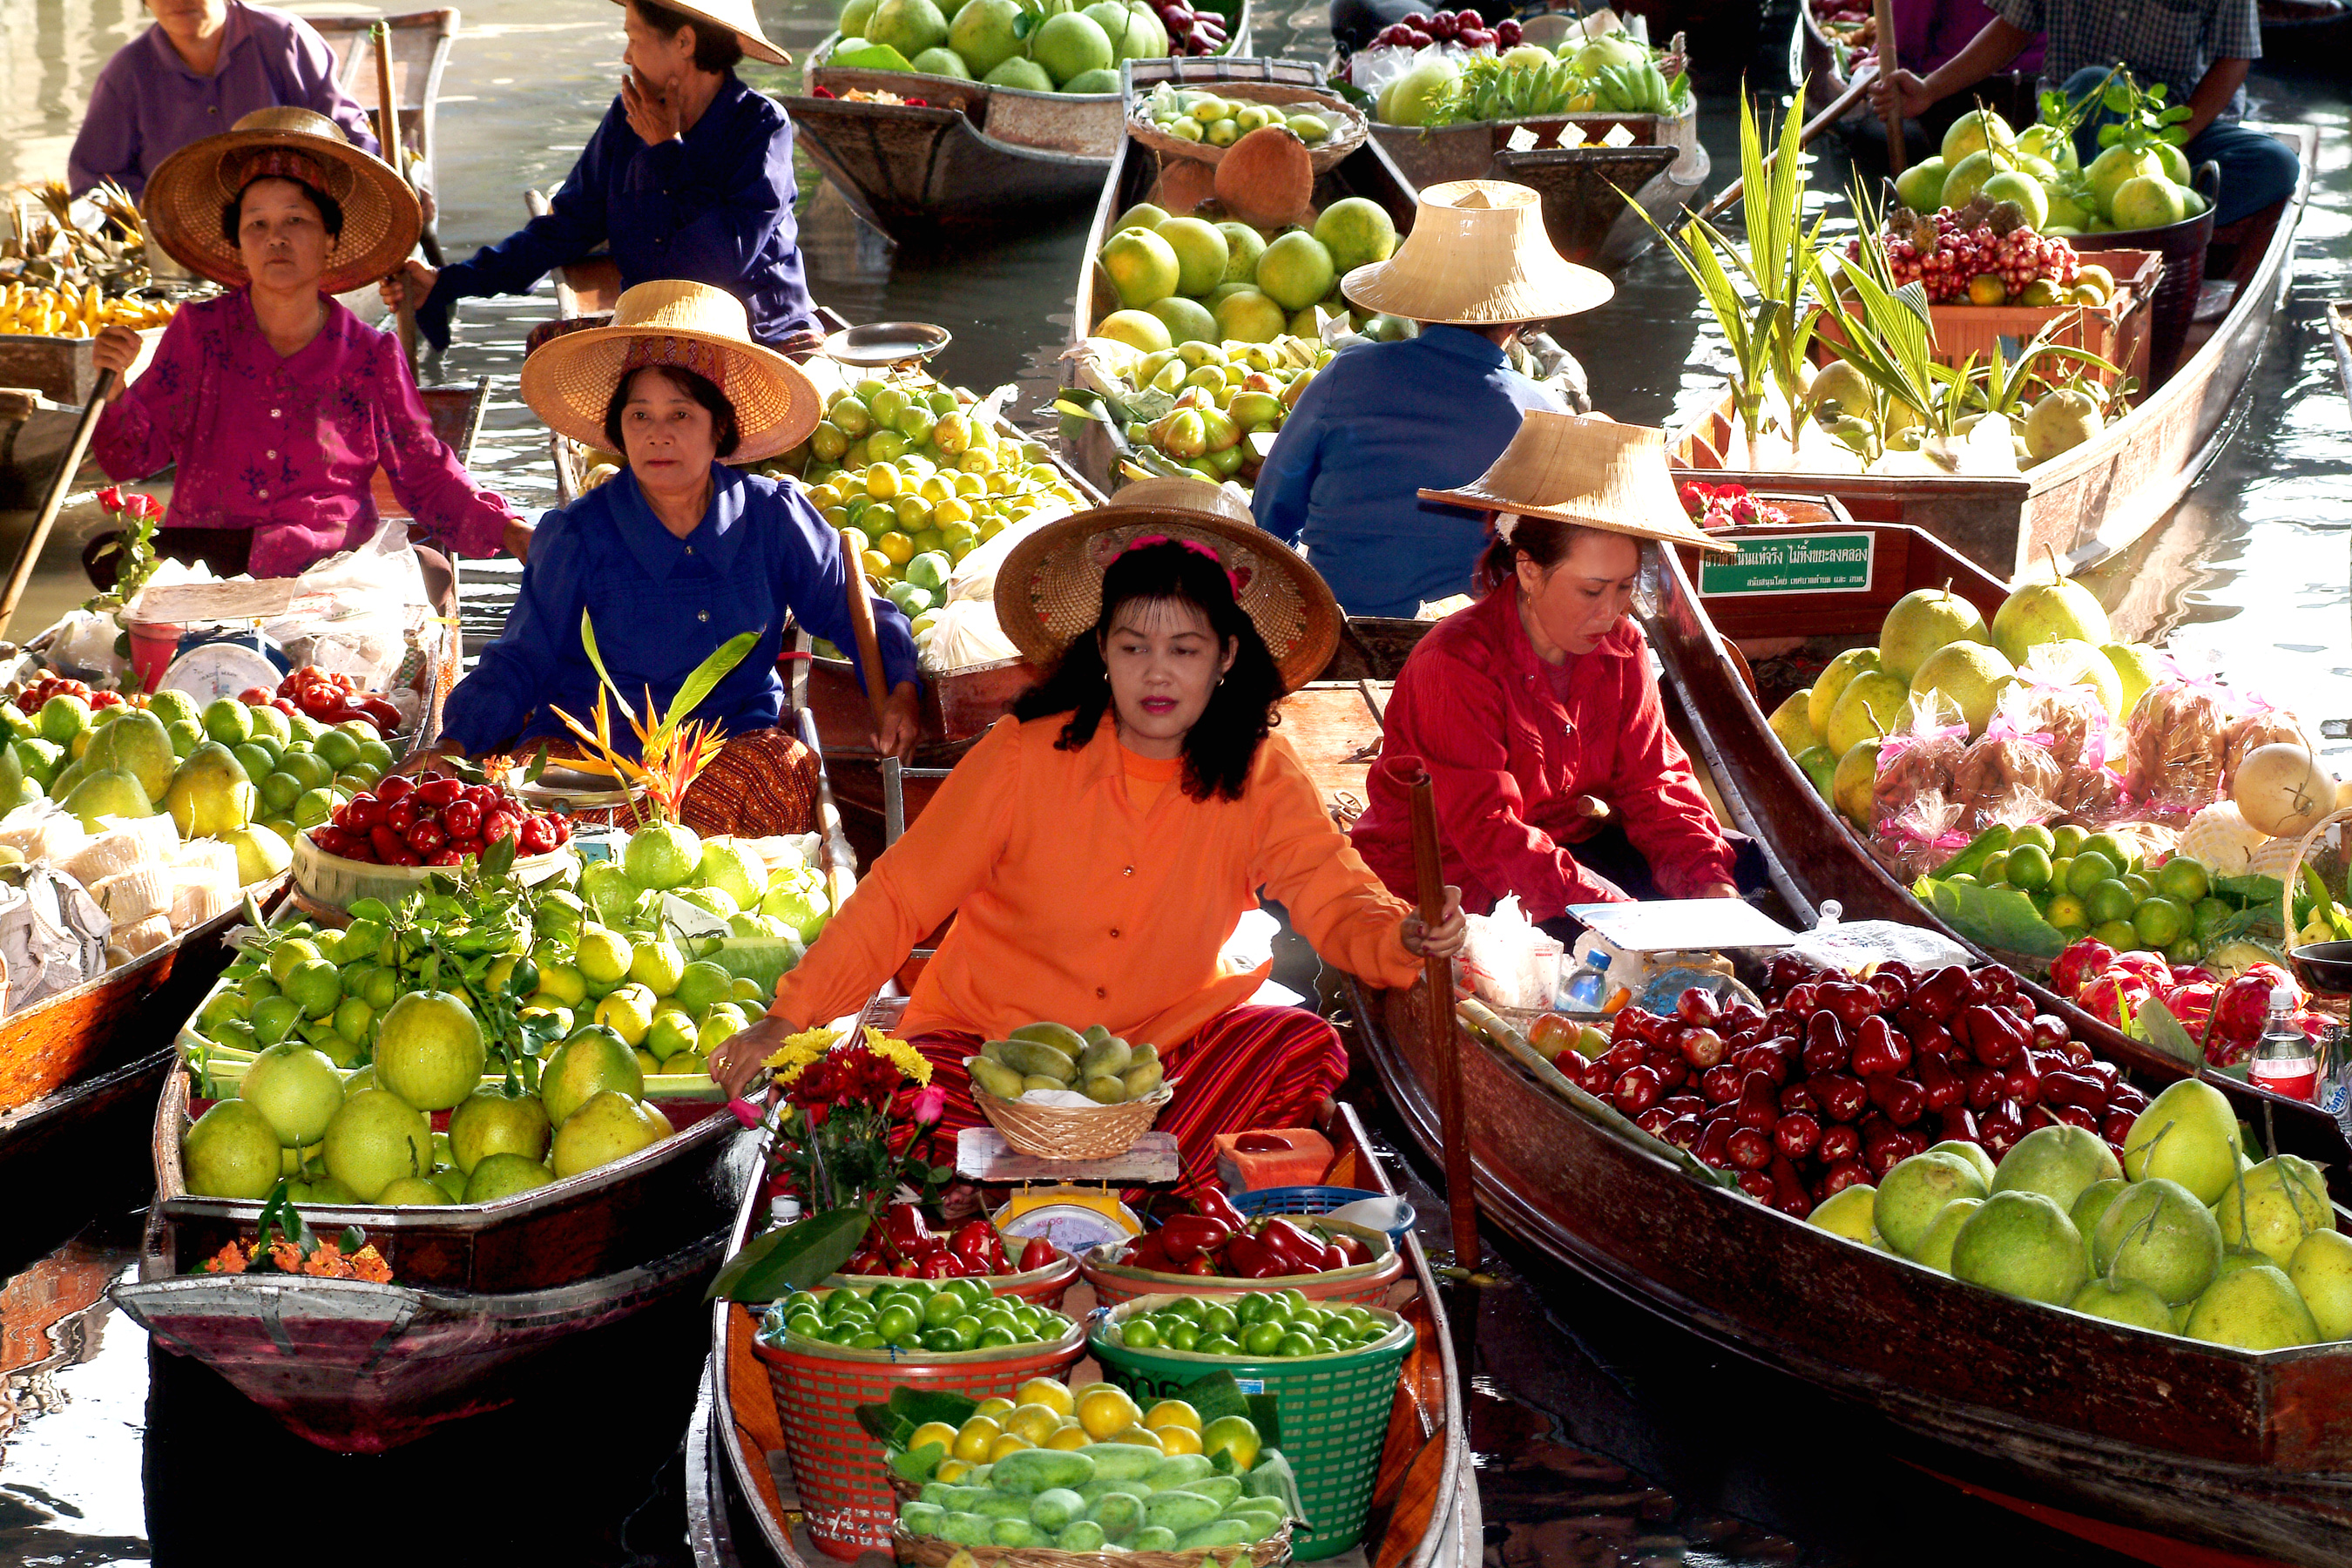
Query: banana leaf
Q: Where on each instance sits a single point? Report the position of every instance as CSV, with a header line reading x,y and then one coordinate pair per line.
x,y
797,1257
1999,917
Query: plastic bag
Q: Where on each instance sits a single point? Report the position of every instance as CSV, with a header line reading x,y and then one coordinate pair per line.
x,y
2174,743
1920,834
52,936
1511,961
1917,762
81,645
1856,946
2261,723
966,633
2007,774
351,613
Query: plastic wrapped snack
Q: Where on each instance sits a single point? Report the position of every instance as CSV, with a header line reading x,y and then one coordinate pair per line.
x,y
2259,724
1914,763
1919,834
2174,743
2005,775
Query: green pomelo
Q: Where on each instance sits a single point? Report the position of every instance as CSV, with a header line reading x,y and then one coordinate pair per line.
x,y
2148,202
1849,1214
1831,684
611,1126
2058,1162
2021,1243
2159,1235
2114,168
261,853
1356,231
1201,253
232,1151
404,1192
1143,267
1244,246
1871,706
909,27
491,1121
1973,675
985,33
2187,1134
1296,270
297,1089
2253,1309
1921,622
375,1138
429,1050
2124,1301
1973,133
1913,1194
1935,1247
2271,1207
2045,611
2011,186
941,60
503,1176
210,794
2321,1271
1250,317
1792,726
109,792
1069,44
1185,321
592,1061
1968,177
1142,330
1920,187
138,744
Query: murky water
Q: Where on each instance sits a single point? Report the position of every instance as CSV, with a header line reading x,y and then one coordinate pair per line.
x,y
1607,1436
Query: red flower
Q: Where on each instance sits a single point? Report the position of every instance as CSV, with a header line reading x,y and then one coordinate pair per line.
x,y
111,498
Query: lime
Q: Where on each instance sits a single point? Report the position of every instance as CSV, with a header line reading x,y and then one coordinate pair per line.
x,y
2141,888
2117,934
2028,866
2185,878
2034,834
2108,899
672,1035
2161,921
2067,840
2090,869
2067,913
273,1018
352,1017
313,807
701,986
257,761
227,721
2108,845
377,755
306,765
383,989
1995,870
278,791
63,717
565,984
338,748
658,965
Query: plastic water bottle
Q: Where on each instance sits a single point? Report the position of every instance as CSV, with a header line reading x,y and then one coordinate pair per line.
x,y
2284,1062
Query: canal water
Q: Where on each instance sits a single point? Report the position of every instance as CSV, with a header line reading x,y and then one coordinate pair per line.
x,y
1605,1436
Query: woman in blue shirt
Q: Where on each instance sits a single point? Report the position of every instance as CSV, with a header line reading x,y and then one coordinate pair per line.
x,y
1385,421
677,555
690,175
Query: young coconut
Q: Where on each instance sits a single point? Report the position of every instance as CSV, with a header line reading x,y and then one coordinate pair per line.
x,y
1267,177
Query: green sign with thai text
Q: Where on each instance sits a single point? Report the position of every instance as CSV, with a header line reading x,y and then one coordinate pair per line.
x,y
1791,564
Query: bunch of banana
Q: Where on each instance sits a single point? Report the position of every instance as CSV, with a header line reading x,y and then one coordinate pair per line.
x,y
1491,88
69,312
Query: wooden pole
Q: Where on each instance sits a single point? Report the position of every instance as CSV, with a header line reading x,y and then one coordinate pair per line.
x,y
869,646
60,485
1883,13
388,135
1813,127
1444,1033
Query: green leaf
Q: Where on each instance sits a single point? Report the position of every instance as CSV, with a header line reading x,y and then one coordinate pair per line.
x,y
918,1405
2254,892
2177,114
873,57
1217,1396
917,1464
1274,1478
707,675
1999,917
499,857
2117,98
2164,1031
532,774
795,1258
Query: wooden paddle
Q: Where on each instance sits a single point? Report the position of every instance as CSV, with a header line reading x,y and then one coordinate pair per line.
x,y
1882,12
869,646
1813,127
1452,1113
388,137
60,485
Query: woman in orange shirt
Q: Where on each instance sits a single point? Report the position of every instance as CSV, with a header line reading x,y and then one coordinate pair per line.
x,y
1095,869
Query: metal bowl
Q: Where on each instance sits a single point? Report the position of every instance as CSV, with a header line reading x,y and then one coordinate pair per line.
x,y
2324,966
878,344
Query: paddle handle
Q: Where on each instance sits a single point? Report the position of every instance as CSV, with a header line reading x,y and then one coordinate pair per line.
x,y
388,135
1445,1034
1883,13
869,646
1812,128
60,485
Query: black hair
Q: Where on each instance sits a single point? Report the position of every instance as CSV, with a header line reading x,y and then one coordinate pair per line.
x,y
1541,540
330,211
1222,746
717,49
723,422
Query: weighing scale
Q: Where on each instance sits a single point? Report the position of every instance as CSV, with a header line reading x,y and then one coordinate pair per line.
x,y
1657,950
1048,1199
208,666
887,345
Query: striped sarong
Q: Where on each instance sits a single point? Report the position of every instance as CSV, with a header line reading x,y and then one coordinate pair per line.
x,y
1250,1067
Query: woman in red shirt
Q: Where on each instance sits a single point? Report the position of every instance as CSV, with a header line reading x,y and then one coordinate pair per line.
x,y
1536,710
1096,847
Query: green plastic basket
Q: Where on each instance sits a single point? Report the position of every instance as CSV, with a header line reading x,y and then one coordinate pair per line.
x,y
1334,1410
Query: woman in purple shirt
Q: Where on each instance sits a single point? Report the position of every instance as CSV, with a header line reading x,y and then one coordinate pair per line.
x,y
203,67
277,404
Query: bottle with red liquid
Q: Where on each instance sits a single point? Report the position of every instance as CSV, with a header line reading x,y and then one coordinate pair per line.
x,y
2285,1062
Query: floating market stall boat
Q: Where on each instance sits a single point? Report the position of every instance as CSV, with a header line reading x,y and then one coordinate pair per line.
x,y
2097,499
959,159
739,1514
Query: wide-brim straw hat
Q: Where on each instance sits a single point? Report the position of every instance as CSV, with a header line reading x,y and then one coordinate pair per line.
x,y
737,18
1187,494
1595,473
1477,257
568,380
185,197
1049,589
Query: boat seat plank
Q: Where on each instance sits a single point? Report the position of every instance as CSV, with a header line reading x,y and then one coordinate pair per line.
x,y
752,1399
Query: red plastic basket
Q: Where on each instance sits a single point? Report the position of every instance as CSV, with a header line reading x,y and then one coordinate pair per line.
x,y
1045,1287
1365,1282
845,1502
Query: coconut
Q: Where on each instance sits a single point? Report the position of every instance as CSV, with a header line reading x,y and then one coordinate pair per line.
x,y
1267,178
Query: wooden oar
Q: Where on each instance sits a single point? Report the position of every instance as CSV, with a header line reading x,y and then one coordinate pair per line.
x,y
1882,12
1813,127
869,646
1453,1112
388,135
60,485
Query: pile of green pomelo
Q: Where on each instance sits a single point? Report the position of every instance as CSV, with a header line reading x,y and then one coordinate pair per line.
x,y
1184,280
2130,186
1003,43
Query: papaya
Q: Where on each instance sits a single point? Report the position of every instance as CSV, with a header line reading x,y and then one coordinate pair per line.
x,y
1080,1535
1032,1470
1182,1471
1013,1533
1217,1533
994,1077
1041,1081
1060,1037
967,1529
1105,1091
1152,1538
1107,1059
921,1517
1113,1462
1181,1510
1031,1060
1118,1513
1142,1081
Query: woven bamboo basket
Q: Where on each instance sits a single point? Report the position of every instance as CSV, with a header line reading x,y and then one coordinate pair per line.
x,y
931,1552
1348,128
1052,1133
1115,1282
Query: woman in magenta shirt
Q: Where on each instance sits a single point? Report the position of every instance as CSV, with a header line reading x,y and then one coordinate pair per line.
x,y
275,404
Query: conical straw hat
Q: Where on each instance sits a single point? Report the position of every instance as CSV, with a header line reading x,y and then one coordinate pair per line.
x,y
568,380
1477,257
737,18
1049,589
1594,473
185,198
1185,493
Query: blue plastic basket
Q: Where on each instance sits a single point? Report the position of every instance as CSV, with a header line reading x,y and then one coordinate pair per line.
x,y
1314,1200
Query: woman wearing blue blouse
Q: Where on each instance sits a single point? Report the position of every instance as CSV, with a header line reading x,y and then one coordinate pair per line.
x,y
690,175
678,553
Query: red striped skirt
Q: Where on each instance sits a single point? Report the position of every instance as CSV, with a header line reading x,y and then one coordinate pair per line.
x,y
1251,1067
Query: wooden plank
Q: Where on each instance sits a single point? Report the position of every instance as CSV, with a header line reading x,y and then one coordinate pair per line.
x,y
984,1155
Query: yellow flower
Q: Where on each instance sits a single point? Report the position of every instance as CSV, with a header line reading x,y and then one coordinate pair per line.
x,y
798,1051
911,1061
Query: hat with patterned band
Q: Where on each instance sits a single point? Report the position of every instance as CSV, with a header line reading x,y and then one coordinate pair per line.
x,y
568,380
185,198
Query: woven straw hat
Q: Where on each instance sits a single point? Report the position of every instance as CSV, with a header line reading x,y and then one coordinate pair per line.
x,y
568,380
1595,473
1049,589
736,15
183,200
1185,493
1477,257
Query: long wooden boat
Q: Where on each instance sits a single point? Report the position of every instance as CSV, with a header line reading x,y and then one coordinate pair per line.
x,y
479,1291
2090,502
1425,1502
969,161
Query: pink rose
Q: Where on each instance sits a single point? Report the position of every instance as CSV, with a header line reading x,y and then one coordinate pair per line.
x,y
746,1112
930,1104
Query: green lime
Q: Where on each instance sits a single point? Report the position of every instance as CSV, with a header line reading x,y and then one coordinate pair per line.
x,y
2090,869
1260,1339
1218,1319
2161,921
2028,866
2061,867
1219,1344
2188,950
967,1330
316,986
2185,878
942,1309
996,1339
2109,898
898,1323
1961,880
841,1331
868,1340
2067,840
2117,934
2209,914
2067,913
1995,870
2108,845
2141,888
1295,1343
1184,1336
1141,1334
2035,834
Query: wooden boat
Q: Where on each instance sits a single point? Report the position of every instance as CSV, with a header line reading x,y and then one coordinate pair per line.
x,y
2339,338
479,1290
971,160
2095,500
52,1316
2304,30
1425,1502
421,42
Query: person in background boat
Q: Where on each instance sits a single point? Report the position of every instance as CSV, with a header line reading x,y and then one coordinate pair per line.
x,y
1927,34
275,402
689,176
203,67
1098,846
1384,424
2200,49
1536,710
676,555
